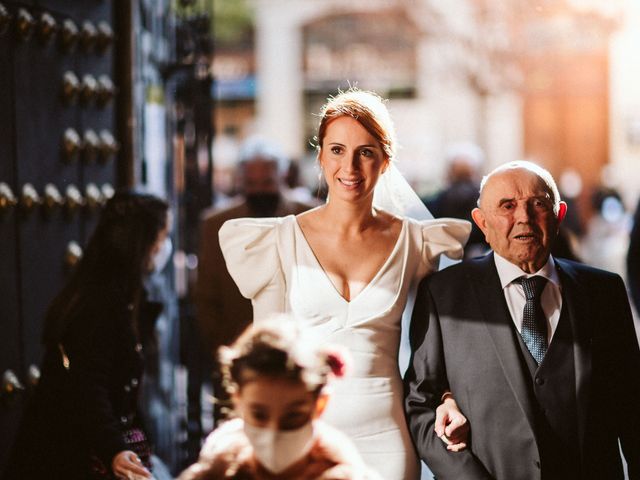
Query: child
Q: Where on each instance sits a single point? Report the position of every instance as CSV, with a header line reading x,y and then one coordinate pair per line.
x,y
276,380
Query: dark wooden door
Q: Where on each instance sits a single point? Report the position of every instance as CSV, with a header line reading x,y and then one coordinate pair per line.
x,y
57,157
10,349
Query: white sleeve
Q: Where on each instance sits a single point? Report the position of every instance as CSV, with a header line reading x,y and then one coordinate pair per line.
x,y
250,250
446,236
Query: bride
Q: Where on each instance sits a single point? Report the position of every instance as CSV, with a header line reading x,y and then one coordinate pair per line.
x,y
345,270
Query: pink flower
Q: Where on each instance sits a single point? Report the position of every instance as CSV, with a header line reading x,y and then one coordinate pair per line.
x,y
337,363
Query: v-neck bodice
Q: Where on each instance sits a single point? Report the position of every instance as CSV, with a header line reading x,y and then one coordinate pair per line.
x,y
312,259
315,301
273,264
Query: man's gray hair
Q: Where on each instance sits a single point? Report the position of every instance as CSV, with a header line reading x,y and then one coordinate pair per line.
x,y
468,152
541,172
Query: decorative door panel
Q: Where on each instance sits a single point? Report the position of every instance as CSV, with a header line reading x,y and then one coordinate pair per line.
x,y
52,56
48,219
10,351
97,118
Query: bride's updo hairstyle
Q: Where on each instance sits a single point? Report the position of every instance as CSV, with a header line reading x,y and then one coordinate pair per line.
x,y
369,109
276,349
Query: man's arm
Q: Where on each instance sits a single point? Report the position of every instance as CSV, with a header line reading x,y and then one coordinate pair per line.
x,y
633,260
626,353
425,382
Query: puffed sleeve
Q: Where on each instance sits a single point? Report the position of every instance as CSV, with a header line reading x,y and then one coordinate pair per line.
x,y
250,249
446,236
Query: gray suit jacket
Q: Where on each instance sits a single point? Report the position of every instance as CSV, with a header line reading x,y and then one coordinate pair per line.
x,y
463,339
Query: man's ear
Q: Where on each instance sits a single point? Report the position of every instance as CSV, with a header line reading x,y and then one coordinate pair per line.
x,y
562,211
479,219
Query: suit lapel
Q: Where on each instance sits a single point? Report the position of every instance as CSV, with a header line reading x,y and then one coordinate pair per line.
x,y
499,324
577,303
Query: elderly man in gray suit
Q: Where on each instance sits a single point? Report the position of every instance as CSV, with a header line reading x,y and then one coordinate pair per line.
x,y
539,352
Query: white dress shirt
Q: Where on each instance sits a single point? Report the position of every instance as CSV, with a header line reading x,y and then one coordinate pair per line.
x,y
551,298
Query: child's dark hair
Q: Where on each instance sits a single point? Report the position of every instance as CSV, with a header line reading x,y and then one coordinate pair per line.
x,y
277,349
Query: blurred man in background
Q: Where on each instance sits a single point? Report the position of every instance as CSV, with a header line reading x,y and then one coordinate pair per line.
x,y
222,312
458,198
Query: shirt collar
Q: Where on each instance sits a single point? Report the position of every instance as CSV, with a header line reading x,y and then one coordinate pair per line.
x,y
508,272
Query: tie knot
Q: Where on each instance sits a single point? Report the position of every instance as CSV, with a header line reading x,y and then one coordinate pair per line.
x,y
532,286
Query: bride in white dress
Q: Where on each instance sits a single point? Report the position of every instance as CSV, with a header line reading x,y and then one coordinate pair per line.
x,y
345,270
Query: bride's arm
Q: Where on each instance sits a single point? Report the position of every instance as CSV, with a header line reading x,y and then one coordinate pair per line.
x,y
451,425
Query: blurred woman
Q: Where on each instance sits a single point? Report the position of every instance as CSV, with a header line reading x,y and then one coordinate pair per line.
x,y
82,422
276,379
345,270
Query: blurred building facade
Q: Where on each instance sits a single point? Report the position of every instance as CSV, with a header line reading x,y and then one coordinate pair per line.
x,y
414,53
548,81
624,104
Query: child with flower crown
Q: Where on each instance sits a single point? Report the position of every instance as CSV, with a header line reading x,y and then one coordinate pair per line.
x,y
277,380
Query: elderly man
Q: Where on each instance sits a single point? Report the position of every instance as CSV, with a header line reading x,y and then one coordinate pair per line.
x,y
539,352
222,312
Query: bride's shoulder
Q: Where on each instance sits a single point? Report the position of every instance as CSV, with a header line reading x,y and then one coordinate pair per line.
x,y
310,218
252,230
389,221
255,223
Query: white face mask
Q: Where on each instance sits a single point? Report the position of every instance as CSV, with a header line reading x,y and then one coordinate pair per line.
x,y
161,258
277,450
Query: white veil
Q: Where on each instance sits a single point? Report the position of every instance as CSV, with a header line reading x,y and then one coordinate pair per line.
x,y
393,194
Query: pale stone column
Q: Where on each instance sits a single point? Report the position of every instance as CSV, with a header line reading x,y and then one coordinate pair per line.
x,y
279,75
504,140
624,98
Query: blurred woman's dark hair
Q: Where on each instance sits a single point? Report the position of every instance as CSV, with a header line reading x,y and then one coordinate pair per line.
x,y
116,257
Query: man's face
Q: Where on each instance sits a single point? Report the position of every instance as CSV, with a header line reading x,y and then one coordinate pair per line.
x,y
517,219
261,186
260,176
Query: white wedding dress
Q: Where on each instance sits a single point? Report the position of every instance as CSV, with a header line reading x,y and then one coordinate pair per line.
x,y
273,265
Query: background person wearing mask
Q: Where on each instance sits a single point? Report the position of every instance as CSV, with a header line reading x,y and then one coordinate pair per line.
x,y
222,312
83,422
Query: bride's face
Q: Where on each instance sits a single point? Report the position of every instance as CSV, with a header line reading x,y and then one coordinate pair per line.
x,y
352,160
